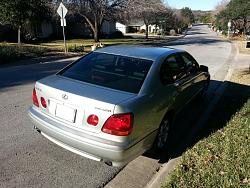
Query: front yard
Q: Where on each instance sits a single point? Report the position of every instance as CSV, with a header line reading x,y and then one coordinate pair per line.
x,y
10,52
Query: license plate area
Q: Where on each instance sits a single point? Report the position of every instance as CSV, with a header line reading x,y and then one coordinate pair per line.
x,y
65,112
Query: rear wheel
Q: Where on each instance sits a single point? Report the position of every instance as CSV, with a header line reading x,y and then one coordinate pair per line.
x,y
163,135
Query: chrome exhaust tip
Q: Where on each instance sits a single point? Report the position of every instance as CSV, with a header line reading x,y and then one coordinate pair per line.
x,y
109,163
38,130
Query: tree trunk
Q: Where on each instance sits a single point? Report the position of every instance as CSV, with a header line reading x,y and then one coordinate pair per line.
x,y
96,36
97,33
146,31
19,36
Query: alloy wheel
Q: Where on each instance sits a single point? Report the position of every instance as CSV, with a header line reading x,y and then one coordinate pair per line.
x,y
163,134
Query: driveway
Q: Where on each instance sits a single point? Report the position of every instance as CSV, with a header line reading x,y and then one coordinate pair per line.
x,y
30,160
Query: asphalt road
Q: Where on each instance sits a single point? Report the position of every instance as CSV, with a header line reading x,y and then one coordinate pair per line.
x,y
207,48
29,160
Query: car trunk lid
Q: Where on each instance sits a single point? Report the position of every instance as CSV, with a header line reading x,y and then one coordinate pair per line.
x,y
73,101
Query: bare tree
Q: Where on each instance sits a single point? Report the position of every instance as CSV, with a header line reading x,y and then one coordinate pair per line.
x,y
221,6
164,18
145,10
178,21
96,11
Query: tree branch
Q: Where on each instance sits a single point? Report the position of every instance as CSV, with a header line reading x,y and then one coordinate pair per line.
x,y
88,20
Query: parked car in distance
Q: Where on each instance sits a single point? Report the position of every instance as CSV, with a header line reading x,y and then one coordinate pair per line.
x,y
117,102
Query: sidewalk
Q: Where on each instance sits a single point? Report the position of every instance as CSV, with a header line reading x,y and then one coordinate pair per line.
x,y
243,61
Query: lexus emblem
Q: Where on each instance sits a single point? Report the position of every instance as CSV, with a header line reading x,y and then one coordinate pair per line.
x,y
64,96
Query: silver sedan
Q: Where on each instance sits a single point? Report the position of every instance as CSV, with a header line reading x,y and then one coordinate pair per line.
x,y
117,102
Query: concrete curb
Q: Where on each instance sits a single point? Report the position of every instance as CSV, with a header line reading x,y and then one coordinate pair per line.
x,y
163,173
160,177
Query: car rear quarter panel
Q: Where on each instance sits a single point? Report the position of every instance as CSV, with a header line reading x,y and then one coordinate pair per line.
x,y
149,106
155,100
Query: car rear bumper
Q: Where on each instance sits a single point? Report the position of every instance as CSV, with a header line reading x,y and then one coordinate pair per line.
x,y
87,145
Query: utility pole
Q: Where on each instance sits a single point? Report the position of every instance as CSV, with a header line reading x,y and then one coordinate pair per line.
x,y
229,25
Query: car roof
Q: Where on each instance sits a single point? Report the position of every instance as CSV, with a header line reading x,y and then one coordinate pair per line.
x,y
151,53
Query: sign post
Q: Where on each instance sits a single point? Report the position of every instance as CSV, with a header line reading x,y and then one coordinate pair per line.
x,y
229,25
62,11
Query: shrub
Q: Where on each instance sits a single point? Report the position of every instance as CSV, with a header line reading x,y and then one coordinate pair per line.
x,y
10,53
76,48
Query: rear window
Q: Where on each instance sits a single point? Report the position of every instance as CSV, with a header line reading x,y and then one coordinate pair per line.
x,y
112,71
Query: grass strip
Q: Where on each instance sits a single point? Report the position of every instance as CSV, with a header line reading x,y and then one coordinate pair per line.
x,y
223,158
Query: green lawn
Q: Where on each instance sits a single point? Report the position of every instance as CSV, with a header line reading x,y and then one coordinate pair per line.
x,y
58,44
10,52
223,158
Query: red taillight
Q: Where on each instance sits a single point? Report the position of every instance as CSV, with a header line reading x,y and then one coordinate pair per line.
x,y
119,124
34,97
93,120
43,102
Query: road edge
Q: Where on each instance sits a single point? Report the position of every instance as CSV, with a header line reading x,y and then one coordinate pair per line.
x,y
163,173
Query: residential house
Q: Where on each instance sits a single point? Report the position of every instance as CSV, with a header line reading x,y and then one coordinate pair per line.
x,y
121,27
136,26
108,27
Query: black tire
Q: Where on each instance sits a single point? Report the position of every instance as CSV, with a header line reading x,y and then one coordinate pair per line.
x,y
162,138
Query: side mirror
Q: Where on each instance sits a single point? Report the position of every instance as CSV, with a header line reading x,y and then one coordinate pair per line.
x,y
203,68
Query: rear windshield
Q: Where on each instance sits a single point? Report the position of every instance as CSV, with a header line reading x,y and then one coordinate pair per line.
x,y
112,71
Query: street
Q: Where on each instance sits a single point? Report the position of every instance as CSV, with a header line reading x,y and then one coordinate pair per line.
x,y
30,160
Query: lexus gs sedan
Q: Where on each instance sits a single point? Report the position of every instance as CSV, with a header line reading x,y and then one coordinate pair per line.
x,y
117,102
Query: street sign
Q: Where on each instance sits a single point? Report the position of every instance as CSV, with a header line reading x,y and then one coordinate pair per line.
x,y
62,10
63,22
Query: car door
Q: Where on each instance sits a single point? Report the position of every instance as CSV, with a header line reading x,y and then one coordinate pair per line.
x,y
173,73
192,73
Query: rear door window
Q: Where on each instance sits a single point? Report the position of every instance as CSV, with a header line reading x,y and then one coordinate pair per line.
x,y
112,71
172,69
191,65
